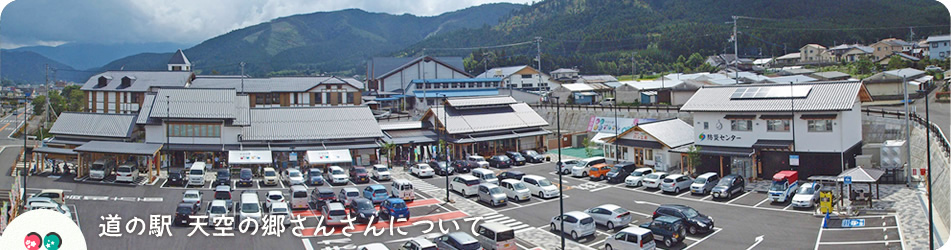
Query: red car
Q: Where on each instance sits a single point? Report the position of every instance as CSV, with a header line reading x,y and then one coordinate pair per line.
x,y
359,175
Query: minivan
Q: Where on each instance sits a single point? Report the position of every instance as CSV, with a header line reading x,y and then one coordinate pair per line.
x,y
250,207
485,175
464,184
334,214
403,189
126,173
56,195
223,193
101,169
299,197
491,194
576,224
496,236
704,183
631,238
620,171
270,177
196,174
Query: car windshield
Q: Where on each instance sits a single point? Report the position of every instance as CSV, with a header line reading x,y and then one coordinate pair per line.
x,y
300,194
488,176
364,205
806,190
544,183
221,195
778,186
615,170
338,213
423,167
294,174
379,191
495,190
531,153
620,210
245,174
336,172
571,162
249,208
471,246
191,196
724,182
218,210
269,173
690,212
700,180
326,195
381,169
637,173
315,172
275,196
184,210
97,167
398,205
279,210
361,170
503,158
353,194
518,186
125,169
196,172
587,221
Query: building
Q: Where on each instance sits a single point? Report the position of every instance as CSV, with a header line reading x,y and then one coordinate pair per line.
x,y
857,53
888,46
789,59
813,53
758,130
179,62
564,75
575,93
123,92
830,76
522,77
888,85
288,91
394,74
428,92
938,47
680,93
487,126
909,59
603,83
649,144
790,79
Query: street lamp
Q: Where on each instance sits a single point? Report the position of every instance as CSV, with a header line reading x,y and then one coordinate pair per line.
x,y
561,201
445,149
168,158
928,176
26,164
617,149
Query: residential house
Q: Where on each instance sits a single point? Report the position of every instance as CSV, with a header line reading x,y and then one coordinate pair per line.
x,y
790,79
888,85
564,75
649,144
857,53
678,94
814,53
886,47
487,126
938,47
830,76
575,93
522,77
288,91
911,60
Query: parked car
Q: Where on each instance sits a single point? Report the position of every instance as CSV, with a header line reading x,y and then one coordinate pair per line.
x,y
457,241
540,186
299,197
245,178
176,178
479,160
217,208
250,207
363,210
463,166
347,195
610,101
279,209
620,171
183,213
496,236
465,184
653,180
402,188
610,215
422,170
47,204
517,158
675,182
373,246
667,229
577,224
693,220
272,197
634,238
440,168
418,243
491,194
704,183
485,175
334,214
196,174
511,174
533,156
222,177
270,177
56,195
321,196
393,209
127,173
380,172
500,161
728,186
359,174
376,193
223,193
192,197
516,190
932,68
565,166
293,176
807,196
336,175
101,169
598,171
315,177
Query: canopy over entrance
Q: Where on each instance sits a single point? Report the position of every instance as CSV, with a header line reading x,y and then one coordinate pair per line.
x,y
237,157
328,156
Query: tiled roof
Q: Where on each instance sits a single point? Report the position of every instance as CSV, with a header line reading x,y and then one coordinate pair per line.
x,y
831,74
481,101
574,87
271,84
824,96
790,79
939,38
94,124
515,116
112,147
141,80
311,123
192,103
673,132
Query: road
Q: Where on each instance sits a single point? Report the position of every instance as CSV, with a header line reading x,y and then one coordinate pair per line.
x,y
940,112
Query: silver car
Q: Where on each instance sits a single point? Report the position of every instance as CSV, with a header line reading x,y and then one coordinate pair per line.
x,y
347,195
217,208
457,241
566,166
491,194
515,190
653,180
610,215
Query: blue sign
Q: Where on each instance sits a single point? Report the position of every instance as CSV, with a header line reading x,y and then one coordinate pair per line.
x,y
853,223
292,156
847,180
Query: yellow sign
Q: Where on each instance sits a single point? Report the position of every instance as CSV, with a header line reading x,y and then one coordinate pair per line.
x,y
825,201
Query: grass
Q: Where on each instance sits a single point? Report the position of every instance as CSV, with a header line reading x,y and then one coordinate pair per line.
x,y
576,152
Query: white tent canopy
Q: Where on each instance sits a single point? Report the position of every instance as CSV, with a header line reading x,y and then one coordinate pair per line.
x,y
249,157
328,156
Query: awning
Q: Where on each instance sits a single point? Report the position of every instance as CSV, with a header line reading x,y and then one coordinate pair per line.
x,y
862,174
587,93
54,151
236,157
599,136
640,144
726,151
818,116
772,144
472,139
112,147
739,117
775,117
328,156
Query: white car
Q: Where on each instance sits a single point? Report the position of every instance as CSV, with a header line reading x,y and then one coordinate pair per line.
x,y
336,175
634,180
634,238
193,197
653,179
48,204
610,215
704,183
373,246
250,207
280,208
422,170
566,166
347,195
273,196
515,190
465,184
807,195
577,224
126,173
270,176
485,175
293,177
479,160
418,243
217,208
579,170
540,186
675,182
380,172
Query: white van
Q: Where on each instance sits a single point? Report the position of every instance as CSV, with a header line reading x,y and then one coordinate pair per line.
x,y
126,173
403,189
496,236
299,197
101,169
196,174
250,207
487,176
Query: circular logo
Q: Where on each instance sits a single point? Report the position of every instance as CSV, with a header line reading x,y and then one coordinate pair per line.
x,y
42,229
702,136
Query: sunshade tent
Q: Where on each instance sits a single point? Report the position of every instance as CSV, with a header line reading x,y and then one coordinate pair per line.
x,y
328,156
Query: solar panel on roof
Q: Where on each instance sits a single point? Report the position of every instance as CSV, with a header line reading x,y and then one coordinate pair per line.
x,y
800,91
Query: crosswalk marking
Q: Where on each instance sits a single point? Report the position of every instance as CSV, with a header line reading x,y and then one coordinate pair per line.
x,y
504,220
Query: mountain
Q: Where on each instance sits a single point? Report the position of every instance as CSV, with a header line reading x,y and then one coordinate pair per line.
x,y
88,56
30,67
337,42
599,36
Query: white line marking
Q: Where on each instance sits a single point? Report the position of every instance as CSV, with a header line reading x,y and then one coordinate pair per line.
x,y
506,222
593,245
900,237
717,230
818,237
787,207
738,197
516,228
858,242
496,215
761,202
685,193
601,188
859,228
307,244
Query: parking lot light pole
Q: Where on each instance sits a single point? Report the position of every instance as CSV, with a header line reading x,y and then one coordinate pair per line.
x,y
445,150
617,148
928,176
168,158
26,117
561,201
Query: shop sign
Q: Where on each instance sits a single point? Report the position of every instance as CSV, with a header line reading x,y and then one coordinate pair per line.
x,y
607,124
718,137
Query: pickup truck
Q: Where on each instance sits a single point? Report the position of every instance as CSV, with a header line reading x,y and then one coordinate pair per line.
x,y
785,184
667,229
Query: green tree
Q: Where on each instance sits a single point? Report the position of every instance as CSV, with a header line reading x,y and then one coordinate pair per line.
x,y
75,99
588,147
387,151
895,62
863,66
39,103
693,158
695,61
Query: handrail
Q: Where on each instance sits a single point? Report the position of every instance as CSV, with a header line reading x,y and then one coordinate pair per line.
x,y
918,119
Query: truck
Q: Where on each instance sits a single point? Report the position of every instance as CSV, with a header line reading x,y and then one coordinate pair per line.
x,y
785,184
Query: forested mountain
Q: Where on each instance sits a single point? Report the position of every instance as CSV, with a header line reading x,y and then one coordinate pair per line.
x,y
88,56
27,66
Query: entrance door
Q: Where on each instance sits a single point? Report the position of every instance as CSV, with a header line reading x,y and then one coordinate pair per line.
x,y
638,156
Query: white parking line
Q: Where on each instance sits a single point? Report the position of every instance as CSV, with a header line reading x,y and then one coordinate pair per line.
x,y
761,202
857,242
738,197
860,228
715,231
787,207
307,244
714,202
685,193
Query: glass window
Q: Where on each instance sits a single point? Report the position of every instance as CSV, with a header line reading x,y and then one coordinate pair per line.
x,y
741,125
820,125
526,76
706,125
649,154
349,97
777,125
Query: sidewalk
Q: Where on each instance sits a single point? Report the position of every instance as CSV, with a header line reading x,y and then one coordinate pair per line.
x,y
911,206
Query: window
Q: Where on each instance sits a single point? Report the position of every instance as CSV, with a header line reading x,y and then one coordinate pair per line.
x,y
741,125
706,125
349,97
194,130
524,76
820,125
777,125
649,154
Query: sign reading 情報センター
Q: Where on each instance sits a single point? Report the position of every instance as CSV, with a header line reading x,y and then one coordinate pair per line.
x,y
607,125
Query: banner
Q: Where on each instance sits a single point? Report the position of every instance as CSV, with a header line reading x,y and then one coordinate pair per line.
x,y
607,125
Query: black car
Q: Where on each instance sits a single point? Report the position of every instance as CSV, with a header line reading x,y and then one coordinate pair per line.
x,y
363,209
223,178
533,156
728,186
246,178
517,158
499,161
439,167
667,229
321,196
513,174
463,166
620,171
176,178
694,220
183,213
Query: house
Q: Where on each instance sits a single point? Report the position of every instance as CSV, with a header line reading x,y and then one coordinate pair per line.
x,y
888,85
179,62
911,60
814,53
564,75
758,130
575,93
938,47
886,47
788,59
394,74
487,126
600,83
830,76
627,94
288,91
679,94
522,77
649,144
428,92
720,61
790,79
122,92
857,53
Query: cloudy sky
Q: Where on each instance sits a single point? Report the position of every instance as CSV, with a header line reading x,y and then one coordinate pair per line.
x,y
53,22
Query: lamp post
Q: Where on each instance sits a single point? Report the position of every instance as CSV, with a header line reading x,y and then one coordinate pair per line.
x,y
561,201
928,176
168,157
617,149
25,163
445,149
904,85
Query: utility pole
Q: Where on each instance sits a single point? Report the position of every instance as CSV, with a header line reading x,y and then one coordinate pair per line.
x,y
633,68
736,53
242,78
538,45
911,36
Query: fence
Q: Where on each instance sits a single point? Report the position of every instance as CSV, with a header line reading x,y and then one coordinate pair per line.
x,y
658,109
935,130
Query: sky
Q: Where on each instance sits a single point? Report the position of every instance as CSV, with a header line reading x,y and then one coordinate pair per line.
x,y
177,21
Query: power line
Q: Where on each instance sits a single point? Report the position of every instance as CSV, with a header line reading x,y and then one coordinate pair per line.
x,y
484,47
839,29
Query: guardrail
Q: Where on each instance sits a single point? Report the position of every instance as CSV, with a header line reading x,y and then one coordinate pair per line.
x,y
915,118
658,109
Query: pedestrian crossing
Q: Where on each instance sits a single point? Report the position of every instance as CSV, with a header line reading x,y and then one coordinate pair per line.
x,y
505,220
425,187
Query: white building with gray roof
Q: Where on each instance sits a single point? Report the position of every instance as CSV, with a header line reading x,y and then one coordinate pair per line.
x,y
649,144
487,125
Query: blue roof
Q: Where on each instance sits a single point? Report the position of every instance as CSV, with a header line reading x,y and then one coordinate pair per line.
x,y
459,80
456,93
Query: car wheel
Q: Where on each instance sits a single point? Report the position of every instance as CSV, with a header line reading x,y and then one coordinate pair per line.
x,y
464,194
676,190
729,195
693,230
552,227
610,225
608,247
540,194
574,235
668,242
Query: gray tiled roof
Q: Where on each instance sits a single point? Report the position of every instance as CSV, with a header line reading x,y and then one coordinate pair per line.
x,y
824,96
145,110
790,79
191,103
480,101
311,123
141,80
272,84
94,124
673,132
119,147
831,74
385,65
178,58
515,116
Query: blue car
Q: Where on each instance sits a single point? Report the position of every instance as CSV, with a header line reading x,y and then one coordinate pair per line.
x,y
315,177
393,209
376,193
